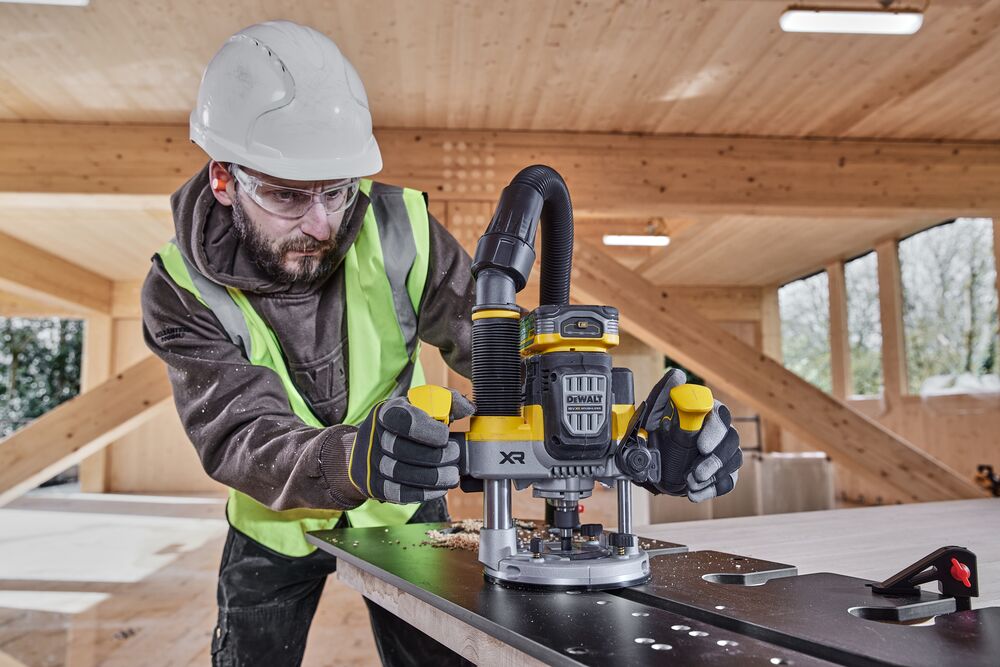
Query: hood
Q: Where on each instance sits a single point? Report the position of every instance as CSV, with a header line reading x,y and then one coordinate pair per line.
x,y
205,236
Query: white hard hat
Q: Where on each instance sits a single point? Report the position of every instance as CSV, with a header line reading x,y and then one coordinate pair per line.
x,y
281,99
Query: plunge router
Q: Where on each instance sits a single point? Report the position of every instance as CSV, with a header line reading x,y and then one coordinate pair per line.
x,y
552,412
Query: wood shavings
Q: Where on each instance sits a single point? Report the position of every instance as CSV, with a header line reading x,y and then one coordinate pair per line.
x,y
464,534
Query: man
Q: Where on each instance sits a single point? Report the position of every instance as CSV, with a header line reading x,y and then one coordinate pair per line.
x,y
289,309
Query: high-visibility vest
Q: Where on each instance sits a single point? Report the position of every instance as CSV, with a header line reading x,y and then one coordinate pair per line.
x,y
382,305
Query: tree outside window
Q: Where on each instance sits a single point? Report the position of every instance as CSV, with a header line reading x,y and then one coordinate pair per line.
x,y
805,328
950,308
39,367
864,324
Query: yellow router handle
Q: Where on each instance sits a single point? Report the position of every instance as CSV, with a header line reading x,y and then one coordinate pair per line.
x,y
432,399
693,402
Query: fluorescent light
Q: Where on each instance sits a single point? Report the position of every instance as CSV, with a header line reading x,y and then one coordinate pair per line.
x,y
846,21
64,3
636,240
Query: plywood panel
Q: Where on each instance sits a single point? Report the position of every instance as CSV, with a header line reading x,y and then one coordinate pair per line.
x,y
683,66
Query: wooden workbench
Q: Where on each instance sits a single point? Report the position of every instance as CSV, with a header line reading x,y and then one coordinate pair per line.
x,y
870,543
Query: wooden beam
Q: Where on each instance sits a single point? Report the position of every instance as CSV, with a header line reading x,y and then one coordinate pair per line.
x,y
996,253
890,295
125,299
720,303
17,305
30,272
770,344
7,660
754,378
81,426
98,340
609,174
840,346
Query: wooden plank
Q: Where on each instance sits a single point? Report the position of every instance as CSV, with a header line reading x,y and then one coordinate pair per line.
x,y
81,426
31,272
840,346
890,295
609,174
681,332
96,368
469,642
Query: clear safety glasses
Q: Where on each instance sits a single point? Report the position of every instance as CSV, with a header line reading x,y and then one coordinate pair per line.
x,y
293,203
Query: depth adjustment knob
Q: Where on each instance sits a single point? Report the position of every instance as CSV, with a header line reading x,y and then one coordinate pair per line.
x,y
621,540
591,530
536,546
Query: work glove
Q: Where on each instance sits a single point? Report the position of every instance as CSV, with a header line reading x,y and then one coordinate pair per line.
x,y
700,462
403,455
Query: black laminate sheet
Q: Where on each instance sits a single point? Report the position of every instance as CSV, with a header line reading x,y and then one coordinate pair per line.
x,y
559,628
812,612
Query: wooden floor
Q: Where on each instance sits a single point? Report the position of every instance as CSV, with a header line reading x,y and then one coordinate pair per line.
x,y
123,581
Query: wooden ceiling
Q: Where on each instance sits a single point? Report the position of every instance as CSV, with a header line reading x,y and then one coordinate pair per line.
x,y
678,67
113,236
712,67
755,250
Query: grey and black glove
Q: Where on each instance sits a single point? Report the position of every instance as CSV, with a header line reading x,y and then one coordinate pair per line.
x,y
403,455
699,459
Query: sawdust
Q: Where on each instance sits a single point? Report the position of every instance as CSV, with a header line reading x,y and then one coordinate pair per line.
x,y
464,534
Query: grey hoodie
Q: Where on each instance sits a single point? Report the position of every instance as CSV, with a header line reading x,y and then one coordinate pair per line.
x,y
236,414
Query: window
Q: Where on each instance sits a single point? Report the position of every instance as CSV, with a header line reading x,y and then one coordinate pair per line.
x,y
39,367
864,324
950,308
805,328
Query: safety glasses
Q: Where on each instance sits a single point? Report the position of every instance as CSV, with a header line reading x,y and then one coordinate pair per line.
x,y
293,203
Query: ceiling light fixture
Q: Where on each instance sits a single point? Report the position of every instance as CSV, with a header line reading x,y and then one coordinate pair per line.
x,y
649,241
853,20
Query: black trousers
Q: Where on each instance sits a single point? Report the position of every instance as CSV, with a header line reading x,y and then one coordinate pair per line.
x,y
267,602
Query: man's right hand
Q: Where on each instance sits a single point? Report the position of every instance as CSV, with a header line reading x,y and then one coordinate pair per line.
x,y
403,455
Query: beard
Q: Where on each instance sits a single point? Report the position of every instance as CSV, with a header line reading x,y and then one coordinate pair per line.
x,y
269,255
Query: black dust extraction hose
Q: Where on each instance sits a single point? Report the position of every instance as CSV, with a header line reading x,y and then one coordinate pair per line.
x,y
503,261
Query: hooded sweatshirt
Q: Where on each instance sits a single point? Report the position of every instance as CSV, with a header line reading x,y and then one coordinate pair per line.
x,y
237,414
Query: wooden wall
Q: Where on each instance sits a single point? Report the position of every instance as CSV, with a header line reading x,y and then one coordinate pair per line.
x,y
962,431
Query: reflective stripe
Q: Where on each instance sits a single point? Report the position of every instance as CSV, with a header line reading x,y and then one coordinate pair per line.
x,y
397,243
416,209
223,307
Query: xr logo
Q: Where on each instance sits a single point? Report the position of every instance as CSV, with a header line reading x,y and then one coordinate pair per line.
x,y
512,457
